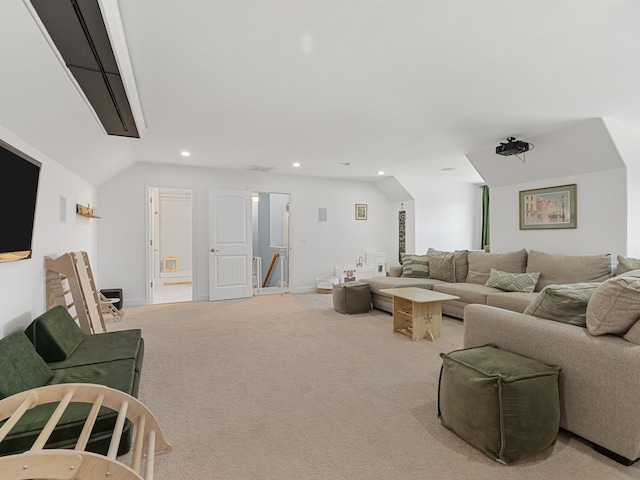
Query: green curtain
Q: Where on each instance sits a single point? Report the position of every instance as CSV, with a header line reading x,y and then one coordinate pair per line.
x,y
485,216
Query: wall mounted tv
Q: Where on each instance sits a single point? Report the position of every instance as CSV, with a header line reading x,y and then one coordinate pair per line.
x,y
17,202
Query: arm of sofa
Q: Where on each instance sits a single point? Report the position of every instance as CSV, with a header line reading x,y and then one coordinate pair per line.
x,y
395,271
593,368
21,368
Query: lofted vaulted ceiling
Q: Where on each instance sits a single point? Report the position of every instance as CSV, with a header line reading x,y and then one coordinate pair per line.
x,y
404,87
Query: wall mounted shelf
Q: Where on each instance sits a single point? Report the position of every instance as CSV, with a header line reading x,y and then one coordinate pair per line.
x,y
85,211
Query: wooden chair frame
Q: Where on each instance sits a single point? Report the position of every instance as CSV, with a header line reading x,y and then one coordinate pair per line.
x,y
62,464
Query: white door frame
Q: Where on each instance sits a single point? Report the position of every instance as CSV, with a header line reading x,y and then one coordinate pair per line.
x,y
153,255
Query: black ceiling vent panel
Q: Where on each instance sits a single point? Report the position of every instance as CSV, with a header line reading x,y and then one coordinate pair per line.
x,y
79,33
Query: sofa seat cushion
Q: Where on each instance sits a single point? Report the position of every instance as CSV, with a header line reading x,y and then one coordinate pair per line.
x,y
514,301
563,269
378,283
120,374
480,264
105,347
55,334
66,433
468,292
21,368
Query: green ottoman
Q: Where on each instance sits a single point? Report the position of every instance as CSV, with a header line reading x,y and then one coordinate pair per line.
x,y
352,297
504,404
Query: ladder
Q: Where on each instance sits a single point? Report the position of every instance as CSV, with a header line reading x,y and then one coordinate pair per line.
x,y
70,283
79,464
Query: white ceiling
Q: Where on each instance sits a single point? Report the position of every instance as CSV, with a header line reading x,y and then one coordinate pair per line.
x,y
407,87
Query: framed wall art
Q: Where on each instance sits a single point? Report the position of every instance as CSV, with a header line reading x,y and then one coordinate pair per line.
x,y
548,208
361,211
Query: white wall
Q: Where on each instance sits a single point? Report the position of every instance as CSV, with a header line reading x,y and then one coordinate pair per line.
x,y
317,246
627,140
587,154
601,217
445,214
583,147
22,283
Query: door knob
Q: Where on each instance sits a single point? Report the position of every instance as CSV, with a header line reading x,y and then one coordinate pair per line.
x,y
214,250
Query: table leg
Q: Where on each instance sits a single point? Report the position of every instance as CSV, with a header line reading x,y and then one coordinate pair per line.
x,y
421,322
434,310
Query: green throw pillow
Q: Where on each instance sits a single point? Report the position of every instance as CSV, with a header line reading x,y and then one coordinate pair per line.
x,y
513,282
442,267
563,303
415,266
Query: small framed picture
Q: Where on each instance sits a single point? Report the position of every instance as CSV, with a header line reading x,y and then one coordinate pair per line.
x,y
361,211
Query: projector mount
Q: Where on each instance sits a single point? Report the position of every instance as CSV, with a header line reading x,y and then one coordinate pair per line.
x,y
514,147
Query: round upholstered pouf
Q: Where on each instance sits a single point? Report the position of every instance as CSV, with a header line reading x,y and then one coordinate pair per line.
x,y
352,297
502,403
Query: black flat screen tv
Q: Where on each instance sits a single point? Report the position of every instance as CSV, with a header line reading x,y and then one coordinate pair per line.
x,y
18,197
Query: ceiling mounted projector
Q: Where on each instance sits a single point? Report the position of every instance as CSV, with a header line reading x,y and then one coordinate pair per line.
x,y
512,147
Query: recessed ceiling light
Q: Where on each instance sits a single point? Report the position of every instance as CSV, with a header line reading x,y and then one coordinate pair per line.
x,y
380,172
184,153
296,164
448,169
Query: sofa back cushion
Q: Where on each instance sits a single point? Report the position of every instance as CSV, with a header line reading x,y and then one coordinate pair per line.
x,y
626,264
480,264
21,368
560,269
55,334
615,305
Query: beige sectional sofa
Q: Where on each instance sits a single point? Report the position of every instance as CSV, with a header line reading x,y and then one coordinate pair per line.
x,y
599,361
473,269
586,321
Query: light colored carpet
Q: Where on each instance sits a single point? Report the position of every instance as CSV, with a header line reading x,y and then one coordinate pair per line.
x,y
284,387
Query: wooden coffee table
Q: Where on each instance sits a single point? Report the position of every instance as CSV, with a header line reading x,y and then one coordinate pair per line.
x,y
417,312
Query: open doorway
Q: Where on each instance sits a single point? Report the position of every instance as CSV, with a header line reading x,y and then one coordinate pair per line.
x,y
270,215
170,245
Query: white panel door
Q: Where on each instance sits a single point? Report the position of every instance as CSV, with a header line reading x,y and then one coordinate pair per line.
x,y
231,249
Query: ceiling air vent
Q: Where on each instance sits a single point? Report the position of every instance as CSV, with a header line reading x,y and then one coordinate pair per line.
x,y
78,32
256,168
